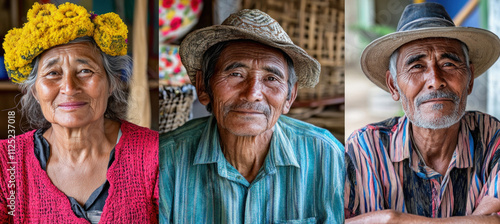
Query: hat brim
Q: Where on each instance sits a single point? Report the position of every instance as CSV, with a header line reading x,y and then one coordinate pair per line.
x,y
483,45
197,42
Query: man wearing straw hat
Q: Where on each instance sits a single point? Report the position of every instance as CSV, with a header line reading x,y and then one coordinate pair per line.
x,y
438,160
247,163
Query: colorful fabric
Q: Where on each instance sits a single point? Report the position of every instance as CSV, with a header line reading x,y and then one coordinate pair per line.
x,y
384,172
177,17
300,181
171,70
133,179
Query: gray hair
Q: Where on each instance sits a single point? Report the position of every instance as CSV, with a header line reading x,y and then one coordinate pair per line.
x,y
211,56
118,71
394,58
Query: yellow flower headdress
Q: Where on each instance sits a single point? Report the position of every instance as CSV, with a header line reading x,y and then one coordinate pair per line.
x,y
49,26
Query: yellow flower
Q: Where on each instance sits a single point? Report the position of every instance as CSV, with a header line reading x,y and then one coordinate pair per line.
x,y
111,34
39,11
49,26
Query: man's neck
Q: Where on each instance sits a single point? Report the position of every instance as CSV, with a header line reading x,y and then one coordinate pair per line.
x,y
436,145
246,153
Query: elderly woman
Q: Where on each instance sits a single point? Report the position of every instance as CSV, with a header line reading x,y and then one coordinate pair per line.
x,y
84,162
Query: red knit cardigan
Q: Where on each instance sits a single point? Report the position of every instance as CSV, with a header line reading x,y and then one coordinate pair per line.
x,y
133,179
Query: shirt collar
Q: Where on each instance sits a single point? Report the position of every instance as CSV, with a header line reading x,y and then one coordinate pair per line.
x,y
401,143
281,148
281,152
400,140
209,150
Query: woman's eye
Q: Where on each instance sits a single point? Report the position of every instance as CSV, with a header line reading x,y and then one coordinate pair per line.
x,y
85,71
52,74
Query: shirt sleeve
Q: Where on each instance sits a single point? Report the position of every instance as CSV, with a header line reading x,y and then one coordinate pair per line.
x,y
166,182
363,191
491,135
351,208
333,170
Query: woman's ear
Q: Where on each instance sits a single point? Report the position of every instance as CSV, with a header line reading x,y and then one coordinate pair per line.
x,y
33,92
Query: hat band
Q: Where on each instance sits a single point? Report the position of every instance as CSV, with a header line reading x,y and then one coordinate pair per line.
x,y
427,22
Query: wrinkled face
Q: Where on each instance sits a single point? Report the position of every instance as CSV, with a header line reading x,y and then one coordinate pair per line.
x,y
433,81
71,85
249,88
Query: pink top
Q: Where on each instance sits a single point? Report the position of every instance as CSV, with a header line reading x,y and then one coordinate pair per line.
x,y
29,195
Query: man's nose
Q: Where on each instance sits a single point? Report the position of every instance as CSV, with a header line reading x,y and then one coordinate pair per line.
x,y
434,77
253,90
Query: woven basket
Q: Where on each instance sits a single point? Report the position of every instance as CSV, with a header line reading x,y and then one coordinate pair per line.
x,y
175,106
318,27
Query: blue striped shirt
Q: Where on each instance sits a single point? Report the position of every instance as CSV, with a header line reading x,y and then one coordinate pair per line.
x,y
301,180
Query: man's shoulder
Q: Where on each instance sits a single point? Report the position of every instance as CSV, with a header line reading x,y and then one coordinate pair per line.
x,y
383,127
482,127
294,128
476,117
189,131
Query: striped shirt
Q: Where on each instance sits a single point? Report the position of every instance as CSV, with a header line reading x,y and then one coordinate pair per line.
x,y
384,172
301,180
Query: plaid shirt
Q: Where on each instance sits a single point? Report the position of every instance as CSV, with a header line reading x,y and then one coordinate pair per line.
x,y
384,172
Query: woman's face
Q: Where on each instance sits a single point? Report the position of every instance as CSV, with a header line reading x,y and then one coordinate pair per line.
x,y
71,85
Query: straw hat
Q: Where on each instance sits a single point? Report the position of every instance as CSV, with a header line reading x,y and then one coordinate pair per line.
x,y
251,25
428,20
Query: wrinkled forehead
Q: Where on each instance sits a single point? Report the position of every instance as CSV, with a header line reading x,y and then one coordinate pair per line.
x,y
249,49
246,50
438,43
78,51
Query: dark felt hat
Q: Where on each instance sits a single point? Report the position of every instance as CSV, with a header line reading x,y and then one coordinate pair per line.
x,y
428,20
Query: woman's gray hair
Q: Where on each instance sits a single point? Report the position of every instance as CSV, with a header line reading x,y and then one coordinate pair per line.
x,y
118,71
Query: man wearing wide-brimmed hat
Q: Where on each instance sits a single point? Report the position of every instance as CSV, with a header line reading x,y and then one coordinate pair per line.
x,y
247,163
438,160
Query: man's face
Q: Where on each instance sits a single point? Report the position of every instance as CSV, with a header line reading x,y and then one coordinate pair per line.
x,y
249,88
433,81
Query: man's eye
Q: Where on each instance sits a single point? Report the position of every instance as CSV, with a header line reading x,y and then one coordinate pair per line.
x,y
448,64
236,74
271,78
417,66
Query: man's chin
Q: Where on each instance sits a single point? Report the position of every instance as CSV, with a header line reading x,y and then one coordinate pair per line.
x,y
436,121
246,131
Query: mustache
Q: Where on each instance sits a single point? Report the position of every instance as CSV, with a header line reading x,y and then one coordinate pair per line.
x,y
249,106
437,94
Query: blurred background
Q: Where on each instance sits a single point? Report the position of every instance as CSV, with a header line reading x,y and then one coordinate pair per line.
x,y
141,17
367,20
315,25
